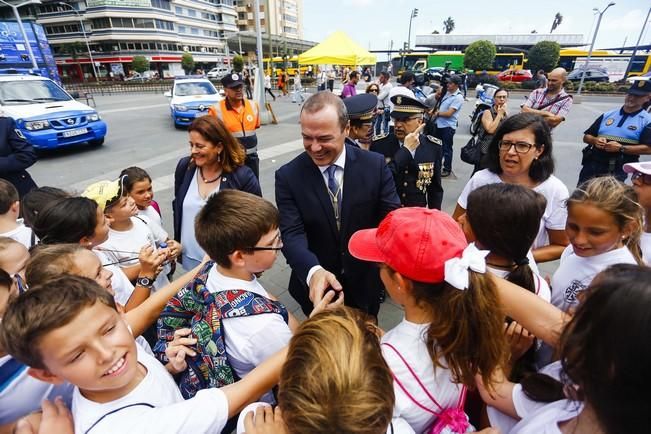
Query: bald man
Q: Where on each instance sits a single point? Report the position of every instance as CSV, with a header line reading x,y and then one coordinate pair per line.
x,y
552,102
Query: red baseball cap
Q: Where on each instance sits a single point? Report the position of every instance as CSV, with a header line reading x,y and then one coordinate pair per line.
x,y
415,242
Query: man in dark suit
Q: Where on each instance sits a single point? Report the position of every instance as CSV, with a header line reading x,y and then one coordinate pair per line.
x,y
324,195
16,155
414,158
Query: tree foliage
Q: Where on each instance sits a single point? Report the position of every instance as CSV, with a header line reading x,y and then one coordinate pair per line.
x,y
558,19
238,63
140,64
479,55
74,49
544,55
448,25
187,62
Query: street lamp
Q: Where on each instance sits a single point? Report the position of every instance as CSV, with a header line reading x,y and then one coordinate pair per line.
x,y
22,29
594,38
83,31
414,14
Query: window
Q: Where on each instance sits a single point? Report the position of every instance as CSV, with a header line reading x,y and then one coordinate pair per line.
x,y
101,23
194,31
144,23
178,10
182,29
161,4
192,13
164,25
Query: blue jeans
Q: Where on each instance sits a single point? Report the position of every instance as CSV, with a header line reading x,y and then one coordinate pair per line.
x,y
381,123
446,135
593,169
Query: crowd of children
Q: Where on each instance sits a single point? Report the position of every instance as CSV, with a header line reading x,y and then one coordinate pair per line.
x,y
100,334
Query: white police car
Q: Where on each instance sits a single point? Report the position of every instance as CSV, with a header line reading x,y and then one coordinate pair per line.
x,y
190,98
47,115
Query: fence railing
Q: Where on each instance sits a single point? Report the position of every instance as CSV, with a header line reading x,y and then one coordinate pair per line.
x,y
119,87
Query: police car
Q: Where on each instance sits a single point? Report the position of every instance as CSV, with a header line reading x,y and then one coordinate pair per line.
x,y
191,97
46,115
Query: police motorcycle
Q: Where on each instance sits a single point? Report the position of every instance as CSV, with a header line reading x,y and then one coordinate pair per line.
x,y
485,94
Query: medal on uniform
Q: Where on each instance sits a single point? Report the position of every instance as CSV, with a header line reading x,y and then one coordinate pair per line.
x,y
425,174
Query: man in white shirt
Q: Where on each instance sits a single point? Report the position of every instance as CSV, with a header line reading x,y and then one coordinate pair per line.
x,y
384,104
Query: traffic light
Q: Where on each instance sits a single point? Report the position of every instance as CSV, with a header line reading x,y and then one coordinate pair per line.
x,y
414,13
405,45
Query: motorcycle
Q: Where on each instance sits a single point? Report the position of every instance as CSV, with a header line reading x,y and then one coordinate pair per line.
x,y
485,94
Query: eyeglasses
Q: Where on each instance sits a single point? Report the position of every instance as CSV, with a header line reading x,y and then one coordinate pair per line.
x,y
373,90
520,147
278,245
406,119
645,178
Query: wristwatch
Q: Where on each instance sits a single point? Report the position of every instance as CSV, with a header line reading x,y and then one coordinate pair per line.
x,y
145,282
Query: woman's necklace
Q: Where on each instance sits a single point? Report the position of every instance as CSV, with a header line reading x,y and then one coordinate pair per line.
x,y
209,181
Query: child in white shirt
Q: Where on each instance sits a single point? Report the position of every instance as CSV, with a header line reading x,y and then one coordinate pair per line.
x,y
10,225
641,179
119,388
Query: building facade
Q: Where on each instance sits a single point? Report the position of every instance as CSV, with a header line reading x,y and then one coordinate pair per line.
x,y
118,30
284,19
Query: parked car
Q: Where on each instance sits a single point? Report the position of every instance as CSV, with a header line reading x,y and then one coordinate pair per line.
x,y
515,75
218,72
596,75
190,98
48,116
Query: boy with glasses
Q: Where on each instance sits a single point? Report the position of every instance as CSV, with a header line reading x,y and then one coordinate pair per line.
x,y
414,158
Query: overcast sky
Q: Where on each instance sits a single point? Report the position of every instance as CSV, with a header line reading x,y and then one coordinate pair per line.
x,y
374,23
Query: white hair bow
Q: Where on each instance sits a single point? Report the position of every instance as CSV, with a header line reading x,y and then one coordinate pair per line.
x,y
456,269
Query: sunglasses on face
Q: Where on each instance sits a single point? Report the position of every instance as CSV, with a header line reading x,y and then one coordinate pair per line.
x,y
643,177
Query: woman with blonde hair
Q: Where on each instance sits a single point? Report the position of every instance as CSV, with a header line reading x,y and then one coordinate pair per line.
x,y
216,162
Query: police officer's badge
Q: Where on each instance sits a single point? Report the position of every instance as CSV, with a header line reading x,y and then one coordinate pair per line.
x,y
609,122
632,127
235,77
640,83
249,118
399,100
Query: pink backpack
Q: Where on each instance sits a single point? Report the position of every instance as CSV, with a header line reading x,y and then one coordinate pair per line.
x,y
448,420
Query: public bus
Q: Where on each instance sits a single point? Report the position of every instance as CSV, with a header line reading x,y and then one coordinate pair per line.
x,y
277,63
418,62
614,63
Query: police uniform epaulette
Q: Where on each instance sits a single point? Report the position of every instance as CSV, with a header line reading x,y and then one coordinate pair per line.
x,y
434,140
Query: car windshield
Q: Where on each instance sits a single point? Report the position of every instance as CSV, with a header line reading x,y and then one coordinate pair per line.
x,y
194,88
31,92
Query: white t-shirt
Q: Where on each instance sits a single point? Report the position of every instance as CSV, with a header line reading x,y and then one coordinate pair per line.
x,y
645,244
192,204
151,216
524,405
552,188
22,394
120,283
22,234
398,426
153,406
575,273
126,245
545,420
410,340
253,339
542,288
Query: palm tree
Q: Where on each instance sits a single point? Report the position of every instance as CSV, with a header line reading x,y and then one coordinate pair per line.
x,y
558,19
435,32
448,25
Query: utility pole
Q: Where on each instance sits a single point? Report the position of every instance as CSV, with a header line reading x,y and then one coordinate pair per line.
x,y
637,44
594,38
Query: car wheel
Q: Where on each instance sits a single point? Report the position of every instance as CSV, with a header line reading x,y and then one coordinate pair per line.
x,y
98,142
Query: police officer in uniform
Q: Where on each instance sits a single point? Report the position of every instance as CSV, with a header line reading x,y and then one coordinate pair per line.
x,y
361,113
414,158
619,136
241,117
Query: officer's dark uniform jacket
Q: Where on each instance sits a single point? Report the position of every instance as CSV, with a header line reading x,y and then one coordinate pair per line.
x,y
406,170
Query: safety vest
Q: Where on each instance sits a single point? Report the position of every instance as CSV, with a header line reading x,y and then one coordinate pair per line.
x,y
622,127
241,124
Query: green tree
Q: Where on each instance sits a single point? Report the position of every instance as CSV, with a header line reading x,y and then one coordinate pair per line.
x,y
140,64
544,55
187,63
74,49
448,25
238,63
479,55
558,19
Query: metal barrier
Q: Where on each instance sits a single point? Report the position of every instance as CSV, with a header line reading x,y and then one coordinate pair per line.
x,y
122,87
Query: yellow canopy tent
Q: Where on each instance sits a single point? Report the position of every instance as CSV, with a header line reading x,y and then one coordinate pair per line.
x,y
337,49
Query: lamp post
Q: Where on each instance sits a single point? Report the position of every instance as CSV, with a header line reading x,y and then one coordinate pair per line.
x,y
83,31
414,14
637,44
594,38
22,29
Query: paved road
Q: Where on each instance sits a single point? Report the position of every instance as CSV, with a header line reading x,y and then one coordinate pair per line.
x,y
141,133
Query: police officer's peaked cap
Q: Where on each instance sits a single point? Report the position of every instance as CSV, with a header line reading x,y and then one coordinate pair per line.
x,y
640,87
405,107
232,80
361,107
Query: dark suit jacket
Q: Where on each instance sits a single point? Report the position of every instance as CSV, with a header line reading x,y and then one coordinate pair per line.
x,y
241,179
405,169
309,229
16,155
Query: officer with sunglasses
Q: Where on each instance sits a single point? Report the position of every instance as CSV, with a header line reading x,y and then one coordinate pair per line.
x,y
618,136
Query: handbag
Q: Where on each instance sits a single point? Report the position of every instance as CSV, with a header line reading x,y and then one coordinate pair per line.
x,y
471,152
451,420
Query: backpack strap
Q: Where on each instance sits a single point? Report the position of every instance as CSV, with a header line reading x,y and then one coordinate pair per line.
x,y
9,371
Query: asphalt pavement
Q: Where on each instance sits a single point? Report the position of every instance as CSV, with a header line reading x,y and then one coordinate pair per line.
x,y
141,133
